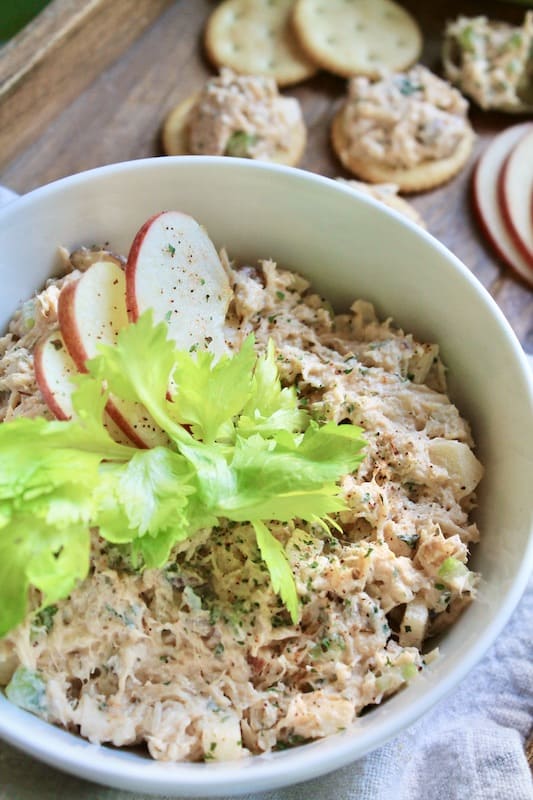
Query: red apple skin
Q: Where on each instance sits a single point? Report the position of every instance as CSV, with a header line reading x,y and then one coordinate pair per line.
x,y
514,159
524,274
509,222
68,326
506,210
125,426
174,269
76,348
131,266
483,225
42,381
67,322
493,241
53,398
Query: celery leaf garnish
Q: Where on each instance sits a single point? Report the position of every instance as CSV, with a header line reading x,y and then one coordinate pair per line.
x,y
240,449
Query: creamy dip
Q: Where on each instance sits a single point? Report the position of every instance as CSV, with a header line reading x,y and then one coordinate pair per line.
x,y
243,115
404,119
200,660
491,62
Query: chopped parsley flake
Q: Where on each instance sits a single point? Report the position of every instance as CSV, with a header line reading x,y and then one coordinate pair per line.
x,y
407,87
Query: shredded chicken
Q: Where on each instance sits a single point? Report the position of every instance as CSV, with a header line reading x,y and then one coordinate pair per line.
x,y
200,660
403,120
19,393
491,62
242,115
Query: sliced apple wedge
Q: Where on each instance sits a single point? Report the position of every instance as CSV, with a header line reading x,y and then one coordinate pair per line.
x,y
54,369
516,193
92,311
487,205
174,269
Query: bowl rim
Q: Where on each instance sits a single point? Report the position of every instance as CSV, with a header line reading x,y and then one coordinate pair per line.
x,y
100,763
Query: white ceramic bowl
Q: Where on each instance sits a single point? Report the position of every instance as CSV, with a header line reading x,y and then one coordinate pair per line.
x,y
349,246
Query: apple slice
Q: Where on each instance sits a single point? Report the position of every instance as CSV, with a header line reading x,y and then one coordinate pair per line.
x,y
174,269
486,201
91,311
54,369
516,193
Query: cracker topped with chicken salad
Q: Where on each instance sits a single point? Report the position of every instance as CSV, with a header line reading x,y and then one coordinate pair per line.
x,y
491,61
237,115
409,128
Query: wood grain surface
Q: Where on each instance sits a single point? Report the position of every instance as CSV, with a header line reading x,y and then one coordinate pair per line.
x,y
117,116
57,56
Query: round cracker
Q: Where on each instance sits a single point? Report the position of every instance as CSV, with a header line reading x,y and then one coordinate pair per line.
x,y
175,135
357,37
386,193
254,37
420,178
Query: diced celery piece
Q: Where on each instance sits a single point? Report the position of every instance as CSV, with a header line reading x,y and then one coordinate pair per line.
x,y
27,690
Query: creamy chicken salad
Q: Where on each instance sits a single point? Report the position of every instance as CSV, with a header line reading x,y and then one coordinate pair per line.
x,y
491,62
403,120
200,660
243,115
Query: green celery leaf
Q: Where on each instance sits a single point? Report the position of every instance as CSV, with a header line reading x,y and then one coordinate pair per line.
x,y
139,364
291,464
139,368
270,407
29,447
275,558
155,550
215,479
208,395
68,504
110,516
89,400
153,489
335,450
14,582
247,453
145,502
26,474
269,480
263,481
309,506
44,482
52,559
61,562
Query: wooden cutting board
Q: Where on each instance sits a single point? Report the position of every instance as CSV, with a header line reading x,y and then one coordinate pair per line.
x,y
89,82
